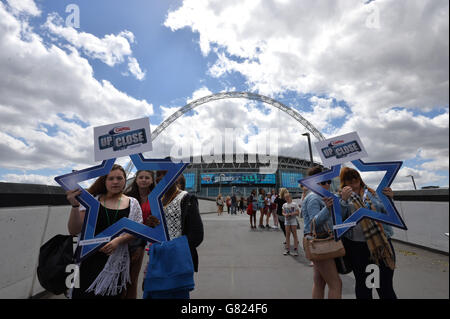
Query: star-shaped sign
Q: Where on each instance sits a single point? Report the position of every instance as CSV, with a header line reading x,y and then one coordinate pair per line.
x,y
158,234
392,217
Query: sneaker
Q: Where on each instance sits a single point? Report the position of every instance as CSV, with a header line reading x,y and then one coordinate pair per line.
x,y
261,226
295,253
286,252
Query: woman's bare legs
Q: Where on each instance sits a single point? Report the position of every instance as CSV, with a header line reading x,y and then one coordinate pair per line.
x,y
288,235
327,271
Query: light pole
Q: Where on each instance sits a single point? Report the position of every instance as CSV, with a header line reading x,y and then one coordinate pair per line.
x,y
220,182
310,150
412,177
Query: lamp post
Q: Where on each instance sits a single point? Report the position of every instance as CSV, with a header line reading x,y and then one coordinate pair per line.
x,y
220,182
412,178
310,150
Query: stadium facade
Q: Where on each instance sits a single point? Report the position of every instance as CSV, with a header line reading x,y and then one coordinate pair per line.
x,y
241,177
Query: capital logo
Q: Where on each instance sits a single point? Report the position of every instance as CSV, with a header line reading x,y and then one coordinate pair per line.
x,y
333,143
118,130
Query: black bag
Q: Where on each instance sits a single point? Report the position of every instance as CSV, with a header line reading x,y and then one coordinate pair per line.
x,y
54,256
343,265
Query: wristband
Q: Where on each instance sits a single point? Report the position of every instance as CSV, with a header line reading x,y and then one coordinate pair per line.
x,y
75,206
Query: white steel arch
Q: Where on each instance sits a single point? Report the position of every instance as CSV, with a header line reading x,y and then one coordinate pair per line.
x,y
243,95
230,95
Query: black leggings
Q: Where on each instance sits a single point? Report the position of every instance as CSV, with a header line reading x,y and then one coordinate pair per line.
x,y
281,222
359,255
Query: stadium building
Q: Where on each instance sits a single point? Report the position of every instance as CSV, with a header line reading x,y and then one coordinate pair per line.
x,y
208,179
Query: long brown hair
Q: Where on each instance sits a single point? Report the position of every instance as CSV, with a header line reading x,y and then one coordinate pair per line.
x,y
133,190
168,195
99,186
348,174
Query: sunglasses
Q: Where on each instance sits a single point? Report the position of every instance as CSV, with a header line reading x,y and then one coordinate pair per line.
x,y
326,182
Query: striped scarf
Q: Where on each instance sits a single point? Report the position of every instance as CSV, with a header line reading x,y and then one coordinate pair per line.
x,y
376,239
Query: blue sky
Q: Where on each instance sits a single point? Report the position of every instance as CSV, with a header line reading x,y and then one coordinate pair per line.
x,y
334,65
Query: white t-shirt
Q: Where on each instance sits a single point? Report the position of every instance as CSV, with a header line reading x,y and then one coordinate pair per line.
x,y
272,199
290,208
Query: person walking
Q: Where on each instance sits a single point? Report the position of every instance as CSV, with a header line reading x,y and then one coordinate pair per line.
x,y
280,201
261,205
219,203
228,203
369,242
97,271
316,212
241,205
290,211
267,210
233,204
141,186
273,209
251,208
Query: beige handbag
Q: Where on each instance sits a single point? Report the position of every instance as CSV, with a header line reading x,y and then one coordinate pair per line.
x,y
321,249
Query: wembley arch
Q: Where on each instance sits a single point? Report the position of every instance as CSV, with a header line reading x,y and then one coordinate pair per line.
x,y
240,95
233,95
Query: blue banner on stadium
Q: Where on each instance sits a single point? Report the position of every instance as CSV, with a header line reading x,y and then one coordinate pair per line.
x,y
290,180
237,178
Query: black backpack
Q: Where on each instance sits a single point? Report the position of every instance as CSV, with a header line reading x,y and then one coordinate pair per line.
x,y
54,256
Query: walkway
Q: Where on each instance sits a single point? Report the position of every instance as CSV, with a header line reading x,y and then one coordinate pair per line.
x,y
239,263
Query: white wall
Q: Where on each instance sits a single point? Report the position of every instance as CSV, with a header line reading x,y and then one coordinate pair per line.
x,y
207,206
23,230
426,221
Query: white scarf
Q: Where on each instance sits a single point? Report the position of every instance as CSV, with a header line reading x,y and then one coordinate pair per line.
x,y
115,275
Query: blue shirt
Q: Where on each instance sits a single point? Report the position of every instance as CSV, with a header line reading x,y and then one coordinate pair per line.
x,y
314,208
260,201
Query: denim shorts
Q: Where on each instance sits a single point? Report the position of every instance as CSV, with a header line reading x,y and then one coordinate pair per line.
x,y
290,221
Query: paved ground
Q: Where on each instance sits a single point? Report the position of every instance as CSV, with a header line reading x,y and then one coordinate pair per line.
x,y
240,263
237,262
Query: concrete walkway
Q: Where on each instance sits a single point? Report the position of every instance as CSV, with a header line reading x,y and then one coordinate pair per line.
x,y
237,262
240,263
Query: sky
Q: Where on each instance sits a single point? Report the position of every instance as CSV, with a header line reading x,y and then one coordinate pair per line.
x,y
380,68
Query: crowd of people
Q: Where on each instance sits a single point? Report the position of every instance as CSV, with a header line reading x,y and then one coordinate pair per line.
x,y
367,243
264,203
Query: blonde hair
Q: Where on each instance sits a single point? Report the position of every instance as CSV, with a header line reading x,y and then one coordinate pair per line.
x,y
283,192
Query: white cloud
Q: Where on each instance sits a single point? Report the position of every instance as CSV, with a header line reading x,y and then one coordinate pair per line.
x,y
24,6
40,87
134,68
206,125
111,49
326,47
375,57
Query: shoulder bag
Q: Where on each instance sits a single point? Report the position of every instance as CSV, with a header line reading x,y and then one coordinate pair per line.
x,y
54,256
317,249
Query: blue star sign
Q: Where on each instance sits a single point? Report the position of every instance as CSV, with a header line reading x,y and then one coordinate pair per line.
x,y
158,234
392,217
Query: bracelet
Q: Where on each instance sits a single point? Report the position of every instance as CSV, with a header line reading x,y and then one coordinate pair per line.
x,y
75,206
